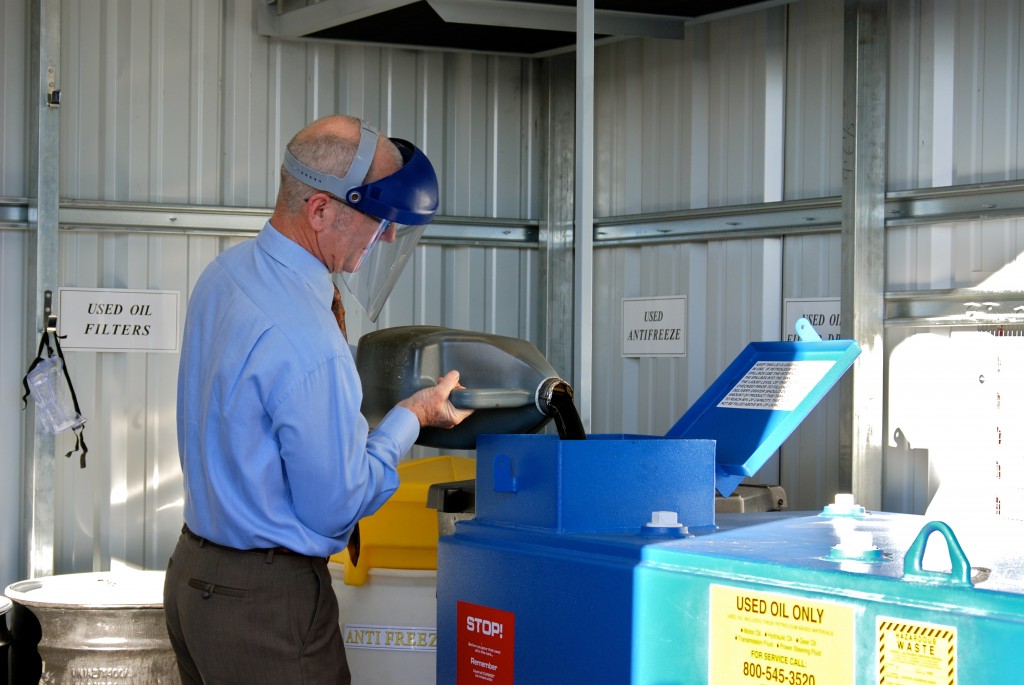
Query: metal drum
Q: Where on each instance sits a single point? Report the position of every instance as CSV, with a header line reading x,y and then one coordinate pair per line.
x,y
98,627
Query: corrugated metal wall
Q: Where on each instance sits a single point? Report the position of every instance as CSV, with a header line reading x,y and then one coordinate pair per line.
x,y
688,125
184,103
955,118
13,242
13,75
13,364
700,123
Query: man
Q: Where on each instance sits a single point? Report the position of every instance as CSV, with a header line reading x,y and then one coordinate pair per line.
x,y
278,463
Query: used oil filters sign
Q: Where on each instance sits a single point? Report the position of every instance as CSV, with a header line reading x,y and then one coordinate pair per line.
x,y
485,648
118,320
759,637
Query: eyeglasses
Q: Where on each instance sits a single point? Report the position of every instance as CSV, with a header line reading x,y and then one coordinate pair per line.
x,y
382,223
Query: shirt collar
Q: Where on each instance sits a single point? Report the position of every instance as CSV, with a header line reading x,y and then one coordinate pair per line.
x,y
299,260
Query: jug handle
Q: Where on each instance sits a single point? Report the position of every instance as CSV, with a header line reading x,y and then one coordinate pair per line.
x,y
490,398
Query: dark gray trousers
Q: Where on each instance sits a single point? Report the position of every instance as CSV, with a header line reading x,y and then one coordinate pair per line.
x,y
252,617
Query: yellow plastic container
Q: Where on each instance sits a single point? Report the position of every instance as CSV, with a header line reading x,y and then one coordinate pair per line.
x,y
402,534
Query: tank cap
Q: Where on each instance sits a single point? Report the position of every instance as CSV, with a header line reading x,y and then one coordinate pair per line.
x,y
844,505
664,524
856,545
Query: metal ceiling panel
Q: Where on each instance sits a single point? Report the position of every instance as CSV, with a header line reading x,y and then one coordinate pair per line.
x,y
531,27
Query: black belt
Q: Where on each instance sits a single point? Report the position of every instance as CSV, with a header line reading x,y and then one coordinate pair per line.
x,y
268,551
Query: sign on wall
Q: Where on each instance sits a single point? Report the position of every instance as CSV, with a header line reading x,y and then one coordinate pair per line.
x,y
118,320
821,312
654,326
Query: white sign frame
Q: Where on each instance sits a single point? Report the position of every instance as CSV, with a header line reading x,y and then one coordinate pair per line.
x,y
654,326
119,319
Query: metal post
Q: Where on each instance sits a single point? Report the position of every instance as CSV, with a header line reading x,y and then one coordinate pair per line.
x,y
556,223
44,169
863,253
584,208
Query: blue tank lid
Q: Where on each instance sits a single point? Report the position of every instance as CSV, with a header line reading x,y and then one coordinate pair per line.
x,y
760,399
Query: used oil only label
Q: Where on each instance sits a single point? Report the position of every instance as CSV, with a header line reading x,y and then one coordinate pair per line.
x,y
911,653
759,637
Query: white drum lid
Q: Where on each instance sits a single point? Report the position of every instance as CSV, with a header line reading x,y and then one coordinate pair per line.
x,y
91,590
5,605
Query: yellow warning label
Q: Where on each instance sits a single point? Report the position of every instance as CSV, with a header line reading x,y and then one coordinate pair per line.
x,y
911,653
759,637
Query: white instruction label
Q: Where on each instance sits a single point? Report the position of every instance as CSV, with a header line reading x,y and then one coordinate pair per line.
x,y
776,385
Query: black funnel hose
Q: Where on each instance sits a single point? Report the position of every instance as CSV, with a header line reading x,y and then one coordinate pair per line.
x,y
554,399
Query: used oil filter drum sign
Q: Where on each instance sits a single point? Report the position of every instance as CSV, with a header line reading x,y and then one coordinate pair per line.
x,y
486,639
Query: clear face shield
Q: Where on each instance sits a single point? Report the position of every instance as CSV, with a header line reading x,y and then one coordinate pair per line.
x,y
381,265
404,203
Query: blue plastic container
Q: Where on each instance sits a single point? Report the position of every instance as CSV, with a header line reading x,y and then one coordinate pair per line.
x,y
791,602
537,588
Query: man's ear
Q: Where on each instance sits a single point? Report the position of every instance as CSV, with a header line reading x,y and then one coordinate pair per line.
x,y
316,211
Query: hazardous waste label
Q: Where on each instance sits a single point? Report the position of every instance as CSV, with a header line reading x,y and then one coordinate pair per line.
x,y
760,637
912,653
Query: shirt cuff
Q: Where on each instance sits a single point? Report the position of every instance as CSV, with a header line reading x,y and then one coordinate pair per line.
x,y
402,425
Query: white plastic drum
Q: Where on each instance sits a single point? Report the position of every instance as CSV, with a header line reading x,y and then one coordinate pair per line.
x,y
100,627
5,637
389,625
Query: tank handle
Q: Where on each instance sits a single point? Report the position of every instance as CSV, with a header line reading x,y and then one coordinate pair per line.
x,y
490,398
960,575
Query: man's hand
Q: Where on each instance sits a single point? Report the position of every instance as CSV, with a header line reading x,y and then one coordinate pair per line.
x,y
432,407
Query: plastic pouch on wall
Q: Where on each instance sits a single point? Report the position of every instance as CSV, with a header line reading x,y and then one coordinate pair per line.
x,y
54,408
48,383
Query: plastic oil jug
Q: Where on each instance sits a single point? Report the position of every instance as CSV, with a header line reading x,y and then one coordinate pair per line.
x,y
506,380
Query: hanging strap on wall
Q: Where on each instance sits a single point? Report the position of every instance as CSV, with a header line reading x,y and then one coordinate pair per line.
x,y
77,424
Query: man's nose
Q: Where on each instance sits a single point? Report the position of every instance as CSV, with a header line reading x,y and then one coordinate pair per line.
x,y
389,234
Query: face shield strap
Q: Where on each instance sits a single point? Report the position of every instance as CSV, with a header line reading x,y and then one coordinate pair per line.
x,y
342,188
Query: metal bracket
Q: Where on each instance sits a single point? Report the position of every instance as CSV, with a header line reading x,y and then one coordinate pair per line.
x,y
48,316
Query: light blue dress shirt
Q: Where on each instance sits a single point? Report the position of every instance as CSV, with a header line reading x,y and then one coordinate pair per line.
x,y
273,447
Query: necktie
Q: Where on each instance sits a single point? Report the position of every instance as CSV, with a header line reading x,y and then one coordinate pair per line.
x,y
339,313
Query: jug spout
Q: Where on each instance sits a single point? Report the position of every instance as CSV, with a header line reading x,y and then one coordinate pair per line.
x,y
555,399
